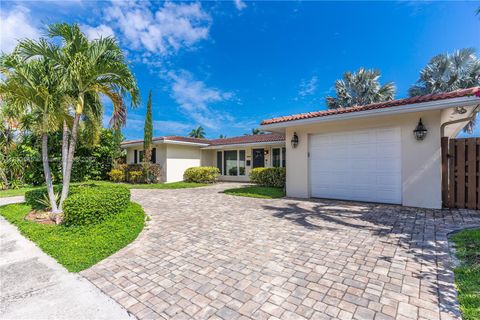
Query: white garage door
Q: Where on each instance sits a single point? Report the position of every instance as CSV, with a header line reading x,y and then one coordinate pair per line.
x,y
359,165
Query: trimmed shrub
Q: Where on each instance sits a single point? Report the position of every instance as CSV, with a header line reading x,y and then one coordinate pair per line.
x,y
116,175
201,174
268,177
136,176
34,197
94,204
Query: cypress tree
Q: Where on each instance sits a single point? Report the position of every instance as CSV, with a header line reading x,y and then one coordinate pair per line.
x,y
148,131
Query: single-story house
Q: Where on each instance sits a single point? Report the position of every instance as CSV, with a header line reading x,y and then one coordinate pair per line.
x,y
235,156
388,152
372,152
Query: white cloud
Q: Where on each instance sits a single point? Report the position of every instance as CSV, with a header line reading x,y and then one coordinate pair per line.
x,y
97,32
163,30
239,4
15,24
195,100
309,87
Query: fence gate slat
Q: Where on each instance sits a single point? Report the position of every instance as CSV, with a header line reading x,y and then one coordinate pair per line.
x,y
472,173
460,173
444,145
451,173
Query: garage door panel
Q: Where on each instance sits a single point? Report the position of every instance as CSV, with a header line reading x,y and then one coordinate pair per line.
x,y
362,165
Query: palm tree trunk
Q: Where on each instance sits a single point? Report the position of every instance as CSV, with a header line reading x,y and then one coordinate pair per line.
x,y
64,147
48,175
69,160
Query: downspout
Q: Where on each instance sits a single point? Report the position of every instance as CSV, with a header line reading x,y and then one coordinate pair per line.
x,y
472,115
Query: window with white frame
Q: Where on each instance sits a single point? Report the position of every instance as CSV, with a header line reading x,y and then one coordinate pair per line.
x,y
278,157
231,162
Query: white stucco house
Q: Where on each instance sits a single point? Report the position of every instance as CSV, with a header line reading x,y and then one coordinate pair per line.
x,y
362,153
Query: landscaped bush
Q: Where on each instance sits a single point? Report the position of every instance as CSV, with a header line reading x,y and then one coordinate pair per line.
x,y
201,174
116,175
136,176
94,204
268,177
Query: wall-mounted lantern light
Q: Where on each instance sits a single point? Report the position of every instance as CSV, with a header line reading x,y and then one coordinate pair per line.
x,y
294,140
420,131
265,152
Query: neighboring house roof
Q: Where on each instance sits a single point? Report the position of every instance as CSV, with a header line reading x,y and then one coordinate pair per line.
x,y
380,105
258,138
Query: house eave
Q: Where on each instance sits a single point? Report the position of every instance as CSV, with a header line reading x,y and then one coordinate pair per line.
x,y
243,145
185,143
417,107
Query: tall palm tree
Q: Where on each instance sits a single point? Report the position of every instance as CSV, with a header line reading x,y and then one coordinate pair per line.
x,y
197,133
360,88
90,69
35,85
448,72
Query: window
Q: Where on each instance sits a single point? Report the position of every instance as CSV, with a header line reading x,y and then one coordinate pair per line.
x,y
276,157
230,163
279,156
154,155
241,162
140,156
219,161
135,156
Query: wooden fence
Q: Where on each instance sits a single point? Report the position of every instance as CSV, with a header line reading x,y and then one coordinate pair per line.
x,y
460,173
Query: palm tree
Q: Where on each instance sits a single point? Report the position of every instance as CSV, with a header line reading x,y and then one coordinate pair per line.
x,y
35,85
89,69
360,88
222,136
448,72
197,133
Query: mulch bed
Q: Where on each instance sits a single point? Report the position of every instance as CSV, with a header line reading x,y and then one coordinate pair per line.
x,y
39,216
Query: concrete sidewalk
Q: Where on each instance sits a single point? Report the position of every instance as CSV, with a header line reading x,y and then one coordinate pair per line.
x,y
34,286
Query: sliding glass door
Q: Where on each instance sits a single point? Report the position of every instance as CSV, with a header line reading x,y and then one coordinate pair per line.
x,y
231,162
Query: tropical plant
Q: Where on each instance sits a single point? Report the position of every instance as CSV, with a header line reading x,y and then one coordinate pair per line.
x,y
89,69
35,85
197,133
447,72
360,88
222,136
255,131
148,131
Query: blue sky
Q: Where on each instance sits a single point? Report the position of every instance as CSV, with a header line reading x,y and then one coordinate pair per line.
x,y
226,65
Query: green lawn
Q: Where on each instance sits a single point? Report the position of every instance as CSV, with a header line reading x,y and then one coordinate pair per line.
x,y
78,248
257,192
172,185
467,275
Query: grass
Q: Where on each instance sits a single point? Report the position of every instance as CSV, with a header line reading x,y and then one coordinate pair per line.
x,y
257,192
78,248
467,275
171,185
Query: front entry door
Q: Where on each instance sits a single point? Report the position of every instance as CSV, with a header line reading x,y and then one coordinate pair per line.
x,y
258,158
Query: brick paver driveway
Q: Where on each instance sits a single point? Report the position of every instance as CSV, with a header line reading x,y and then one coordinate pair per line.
x,y
206,254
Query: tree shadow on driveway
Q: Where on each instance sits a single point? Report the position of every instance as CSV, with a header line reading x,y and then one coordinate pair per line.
x,y
415,235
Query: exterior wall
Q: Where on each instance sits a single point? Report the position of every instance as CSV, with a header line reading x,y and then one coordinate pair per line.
x,y
208,158
421,162
179,158
161,157
248,156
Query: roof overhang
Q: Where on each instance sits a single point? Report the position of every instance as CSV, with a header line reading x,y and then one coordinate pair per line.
x,y
244,145
184,143
416,107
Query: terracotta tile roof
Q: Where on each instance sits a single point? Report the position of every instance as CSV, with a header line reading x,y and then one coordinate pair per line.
x,y
171,138
393,103
270,137
218,142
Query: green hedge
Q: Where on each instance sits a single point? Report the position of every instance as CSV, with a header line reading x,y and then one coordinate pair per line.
x,y
268,177
93,204
201,174
32,196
